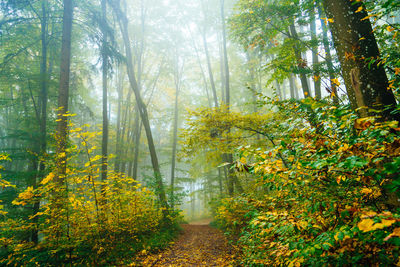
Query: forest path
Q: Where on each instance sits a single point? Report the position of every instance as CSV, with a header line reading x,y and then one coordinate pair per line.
x,y
198,245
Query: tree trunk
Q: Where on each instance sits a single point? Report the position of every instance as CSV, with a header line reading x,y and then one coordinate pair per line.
x,y
292,87
366,82
43,114
104,141
210,73
60,195
142,109
315,61
120,91
174,142
226,63
63,91
301,64
328,58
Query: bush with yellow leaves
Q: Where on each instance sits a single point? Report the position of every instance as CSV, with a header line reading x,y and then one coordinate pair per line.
x,y
97,223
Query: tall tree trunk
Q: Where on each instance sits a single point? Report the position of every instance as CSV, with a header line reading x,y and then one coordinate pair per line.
x,y
301,64
174,142
60,196
63,91
142,109
221,70
43,114
366,82
104,141
328,58
226,63
315,61
120,91
232,178
138,131
279,91
292,87
210,72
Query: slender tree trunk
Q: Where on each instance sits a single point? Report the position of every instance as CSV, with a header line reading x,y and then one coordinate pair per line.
x,y
301,64
366,82
225,52
232,178
120,91
328,58
222,75
279,91
210,72
174,143
138,131
220,183
292,87
315,45
104,141
125,131
142,109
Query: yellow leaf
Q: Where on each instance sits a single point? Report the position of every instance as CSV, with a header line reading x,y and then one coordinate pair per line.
x,y
396,232
366,191
48,178
383,224
359,9
366,225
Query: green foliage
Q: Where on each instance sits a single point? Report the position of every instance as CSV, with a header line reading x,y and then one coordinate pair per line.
x,y
321,193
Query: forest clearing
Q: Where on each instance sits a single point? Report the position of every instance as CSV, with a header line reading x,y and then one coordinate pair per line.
x,y
199,133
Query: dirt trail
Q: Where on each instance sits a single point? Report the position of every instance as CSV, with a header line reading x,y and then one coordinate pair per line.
x,y
199,245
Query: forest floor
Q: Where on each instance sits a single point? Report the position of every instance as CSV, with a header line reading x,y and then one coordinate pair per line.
x,y
198,245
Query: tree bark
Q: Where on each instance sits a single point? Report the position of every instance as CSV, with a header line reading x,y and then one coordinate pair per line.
x,y
63,91
315,61
366,82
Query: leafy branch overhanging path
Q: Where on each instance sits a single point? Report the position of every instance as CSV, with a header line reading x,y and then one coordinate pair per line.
x,y
198,245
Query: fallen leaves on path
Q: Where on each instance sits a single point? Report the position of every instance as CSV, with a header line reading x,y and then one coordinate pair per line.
x,y
199,245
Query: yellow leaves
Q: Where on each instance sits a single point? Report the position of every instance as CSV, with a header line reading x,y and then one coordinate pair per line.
x,y
28,194
4,157
366,191
348,56
368,17
48,178
335,82
363,123
389,28
367,225
326,20
396,232
340,178
344,147
360,8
